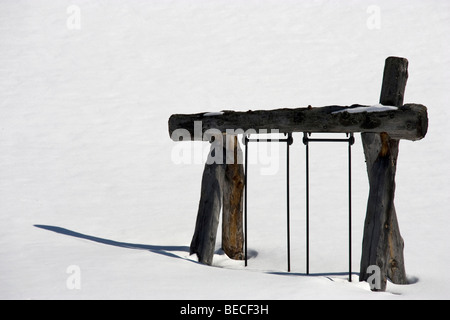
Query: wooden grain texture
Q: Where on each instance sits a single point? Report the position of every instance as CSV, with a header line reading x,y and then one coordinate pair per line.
x,y
407,122
221,191
232,212
382,241
211,197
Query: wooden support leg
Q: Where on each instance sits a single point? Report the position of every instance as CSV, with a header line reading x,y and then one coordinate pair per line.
x,y
382,242
204,239
222,188
233,190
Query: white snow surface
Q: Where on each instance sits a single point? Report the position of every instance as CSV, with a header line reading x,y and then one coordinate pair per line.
x,y
374,108
87,175
212,114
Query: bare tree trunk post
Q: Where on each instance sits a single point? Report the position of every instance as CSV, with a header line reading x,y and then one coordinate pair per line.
x,y
382,242
233,190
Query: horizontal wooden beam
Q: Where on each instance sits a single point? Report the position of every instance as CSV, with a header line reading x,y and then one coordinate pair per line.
x,y
407,122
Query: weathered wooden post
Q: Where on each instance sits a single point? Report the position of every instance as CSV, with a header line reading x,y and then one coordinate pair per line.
x,y
222,189
233,190
204,239
382,242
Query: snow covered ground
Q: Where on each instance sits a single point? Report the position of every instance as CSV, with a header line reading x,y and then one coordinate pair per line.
x,y
92,202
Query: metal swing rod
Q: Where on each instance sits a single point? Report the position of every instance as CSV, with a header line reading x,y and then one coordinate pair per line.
x,y
289,140
350,140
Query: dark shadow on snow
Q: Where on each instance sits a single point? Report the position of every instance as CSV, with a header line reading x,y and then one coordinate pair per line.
x,y
318,274
164,250
329,275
